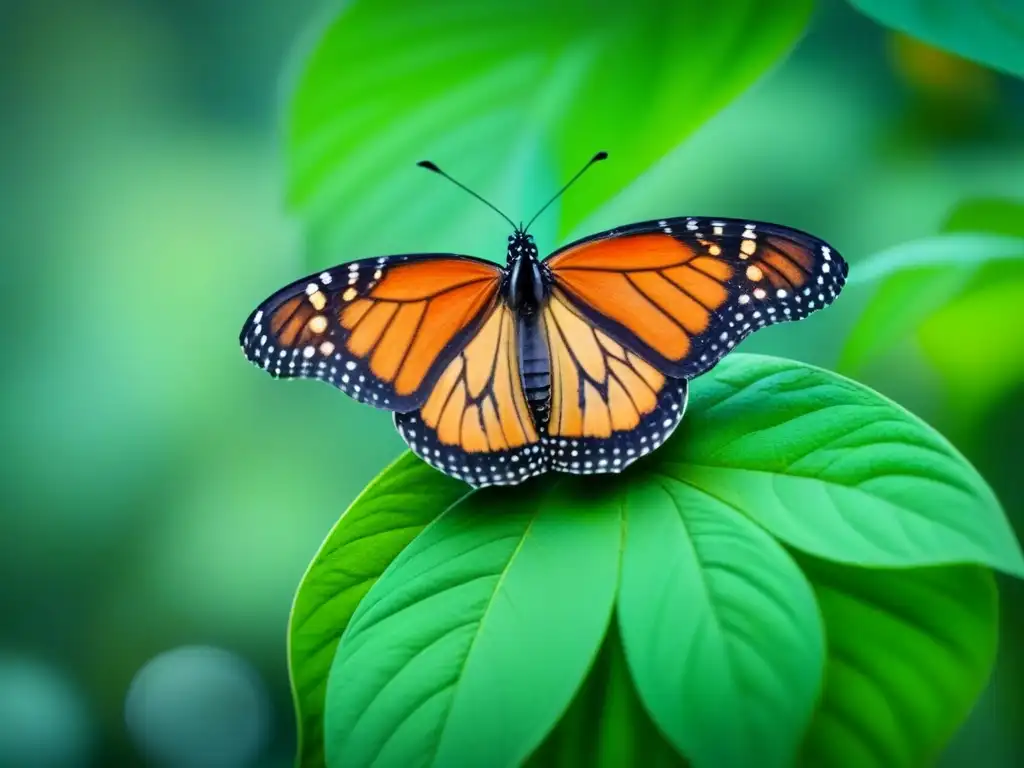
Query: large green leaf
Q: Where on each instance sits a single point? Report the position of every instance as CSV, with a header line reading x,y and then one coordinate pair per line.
x,y
511,97
606,726
719,626
990,33
370,534
473,643
835,469
909,651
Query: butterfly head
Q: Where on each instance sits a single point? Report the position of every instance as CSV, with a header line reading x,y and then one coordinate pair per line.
x,y
524,284
520,245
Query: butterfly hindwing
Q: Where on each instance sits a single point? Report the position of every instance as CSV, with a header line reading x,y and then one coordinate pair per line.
x,y
381,329
683,292
608,406
475,424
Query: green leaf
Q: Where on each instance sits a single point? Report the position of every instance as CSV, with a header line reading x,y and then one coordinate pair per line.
x,y
473,643
914,280
378,525
511,98
966,342
954,250
719,626
909,652
950,294
979,368
990,33
606,726
835,469
988,214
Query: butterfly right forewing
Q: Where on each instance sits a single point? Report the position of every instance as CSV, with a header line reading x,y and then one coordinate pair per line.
x,y
684,292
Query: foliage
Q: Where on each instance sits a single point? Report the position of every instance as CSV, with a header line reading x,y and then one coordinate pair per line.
x,y
950,293
535,87
951,337
991,33
452,657
453,649
385,517
720,627
606,725
909,653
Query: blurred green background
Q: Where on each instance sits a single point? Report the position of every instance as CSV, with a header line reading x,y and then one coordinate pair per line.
x,y
161,496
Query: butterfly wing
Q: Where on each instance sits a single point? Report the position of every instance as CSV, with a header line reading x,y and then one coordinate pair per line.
x,y
476,424
681,293
381,330
608,405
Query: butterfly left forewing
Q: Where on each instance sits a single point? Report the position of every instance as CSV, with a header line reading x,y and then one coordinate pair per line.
x,y
381,329
475,424
684,292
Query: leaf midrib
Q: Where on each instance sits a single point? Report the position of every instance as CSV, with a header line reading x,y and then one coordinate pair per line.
x,y
828,483
709,597
480,628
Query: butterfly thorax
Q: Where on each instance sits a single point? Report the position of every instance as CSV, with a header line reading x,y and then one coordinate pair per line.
x,y
525,286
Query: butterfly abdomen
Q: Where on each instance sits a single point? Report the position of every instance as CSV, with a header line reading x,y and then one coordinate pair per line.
x,y
536,369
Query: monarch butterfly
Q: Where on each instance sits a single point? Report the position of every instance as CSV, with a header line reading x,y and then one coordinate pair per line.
x,y
576,363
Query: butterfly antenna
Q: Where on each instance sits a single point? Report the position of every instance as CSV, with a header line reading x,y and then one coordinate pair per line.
x,y
431,167
596,158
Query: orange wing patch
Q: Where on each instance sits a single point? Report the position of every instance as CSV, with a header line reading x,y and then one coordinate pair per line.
x,y
650,251
659,289
291,322
597,386
403,327
381,330
478,403
785,264
476,422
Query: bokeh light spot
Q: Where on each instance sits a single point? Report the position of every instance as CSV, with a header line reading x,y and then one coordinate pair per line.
x,y
43,720
199,707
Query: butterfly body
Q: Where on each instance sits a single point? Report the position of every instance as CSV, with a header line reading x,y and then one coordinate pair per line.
x,y
576,363
525,287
